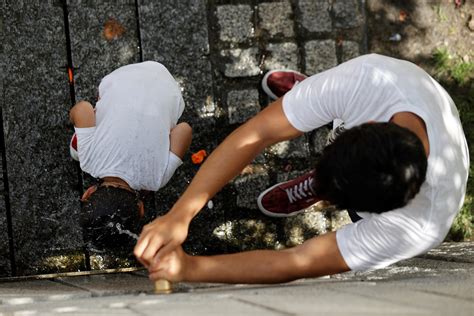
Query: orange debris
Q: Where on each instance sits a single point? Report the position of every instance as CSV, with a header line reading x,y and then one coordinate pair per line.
x,y
198,157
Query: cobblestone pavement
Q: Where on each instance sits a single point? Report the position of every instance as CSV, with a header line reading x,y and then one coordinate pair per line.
x,y
439,283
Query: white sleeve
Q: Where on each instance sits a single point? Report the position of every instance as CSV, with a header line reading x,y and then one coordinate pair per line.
x,y
381,240
321,98
85,139
173,163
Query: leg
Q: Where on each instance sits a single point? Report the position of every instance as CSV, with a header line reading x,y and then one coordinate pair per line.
x,y
180,139
82,114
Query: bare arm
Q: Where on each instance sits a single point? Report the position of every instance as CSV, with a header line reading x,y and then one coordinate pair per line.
x,y
236,151
316,257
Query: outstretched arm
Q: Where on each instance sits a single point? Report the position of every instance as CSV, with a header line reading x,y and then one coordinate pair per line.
x,y
316,257
236,151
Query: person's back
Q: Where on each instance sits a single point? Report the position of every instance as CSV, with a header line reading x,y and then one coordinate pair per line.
x,y
130,142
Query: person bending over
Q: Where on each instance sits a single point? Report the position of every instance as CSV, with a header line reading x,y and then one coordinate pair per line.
x,y
400,168
132,143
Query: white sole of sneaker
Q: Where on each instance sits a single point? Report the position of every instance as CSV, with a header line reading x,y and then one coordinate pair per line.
x,y
267,89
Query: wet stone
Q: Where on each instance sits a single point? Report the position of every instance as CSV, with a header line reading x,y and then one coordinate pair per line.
x,y
248,187
241,62
350,50
320,56
103,38
276,18
42,179
235,23
295,148
346,14
315,15
242,105
282,56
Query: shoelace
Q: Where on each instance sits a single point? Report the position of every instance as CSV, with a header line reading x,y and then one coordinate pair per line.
x,y
300,191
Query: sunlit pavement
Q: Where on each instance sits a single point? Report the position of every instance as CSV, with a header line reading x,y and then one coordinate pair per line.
x,y
438,283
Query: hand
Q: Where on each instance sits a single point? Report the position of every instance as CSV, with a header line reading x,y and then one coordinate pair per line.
x,y
171,267
159,238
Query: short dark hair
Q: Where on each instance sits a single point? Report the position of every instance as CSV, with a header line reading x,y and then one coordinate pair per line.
x,y
373,167
111,220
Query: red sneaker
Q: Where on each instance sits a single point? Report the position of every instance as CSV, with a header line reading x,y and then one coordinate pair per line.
x,y
276,83
288,198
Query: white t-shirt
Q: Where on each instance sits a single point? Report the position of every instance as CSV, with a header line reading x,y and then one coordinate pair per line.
x,y
139,105
374,88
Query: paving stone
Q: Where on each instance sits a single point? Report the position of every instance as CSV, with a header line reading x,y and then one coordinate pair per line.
x,y
453,251
315,15
42,179
248,234
346,14
235,23
248,187
304,226
242,105
320,55
282,56
240,62
30,291
350,50
276,18
111,284
103,38
295,148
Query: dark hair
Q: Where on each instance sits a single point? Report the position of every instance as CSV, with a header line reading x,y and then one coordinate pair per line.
x,y
373,167
111,220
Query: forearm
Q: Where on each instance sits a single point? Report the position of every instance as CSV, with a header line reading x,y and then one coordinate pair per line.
x,y
260,266
235,152
316,257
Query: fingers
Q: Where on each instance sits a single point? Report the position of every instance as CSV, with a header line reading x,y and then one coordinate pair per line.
x,y
146,249
164,251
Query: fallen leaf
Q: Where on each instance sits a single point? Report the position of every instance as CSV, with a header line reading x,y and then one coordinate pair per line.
x,y
113,29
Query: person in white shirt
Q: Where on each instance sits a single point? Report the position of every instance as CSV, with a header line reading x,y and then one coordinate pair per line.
x,y
400,167
131,142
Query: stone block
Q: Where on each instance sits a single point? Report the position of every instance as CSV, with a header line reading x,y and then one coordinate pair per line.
x,y
235,23
304,226
33,291
295,148
320,55
242,105
43,183
103,38
282,56
276,18
240,62
350,50
315,15
346,14
248,187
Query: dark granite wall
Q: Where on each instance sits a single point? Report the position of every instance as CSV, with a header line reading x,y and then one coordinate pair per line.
x,y
42,179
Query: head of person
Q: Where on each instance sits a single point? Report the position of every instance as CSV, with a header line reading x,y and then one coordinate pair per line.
x,y
373,167
111,220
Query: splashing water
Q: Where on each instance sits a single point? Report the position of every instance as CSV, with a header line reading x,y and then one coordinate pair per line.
x,y
123,231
